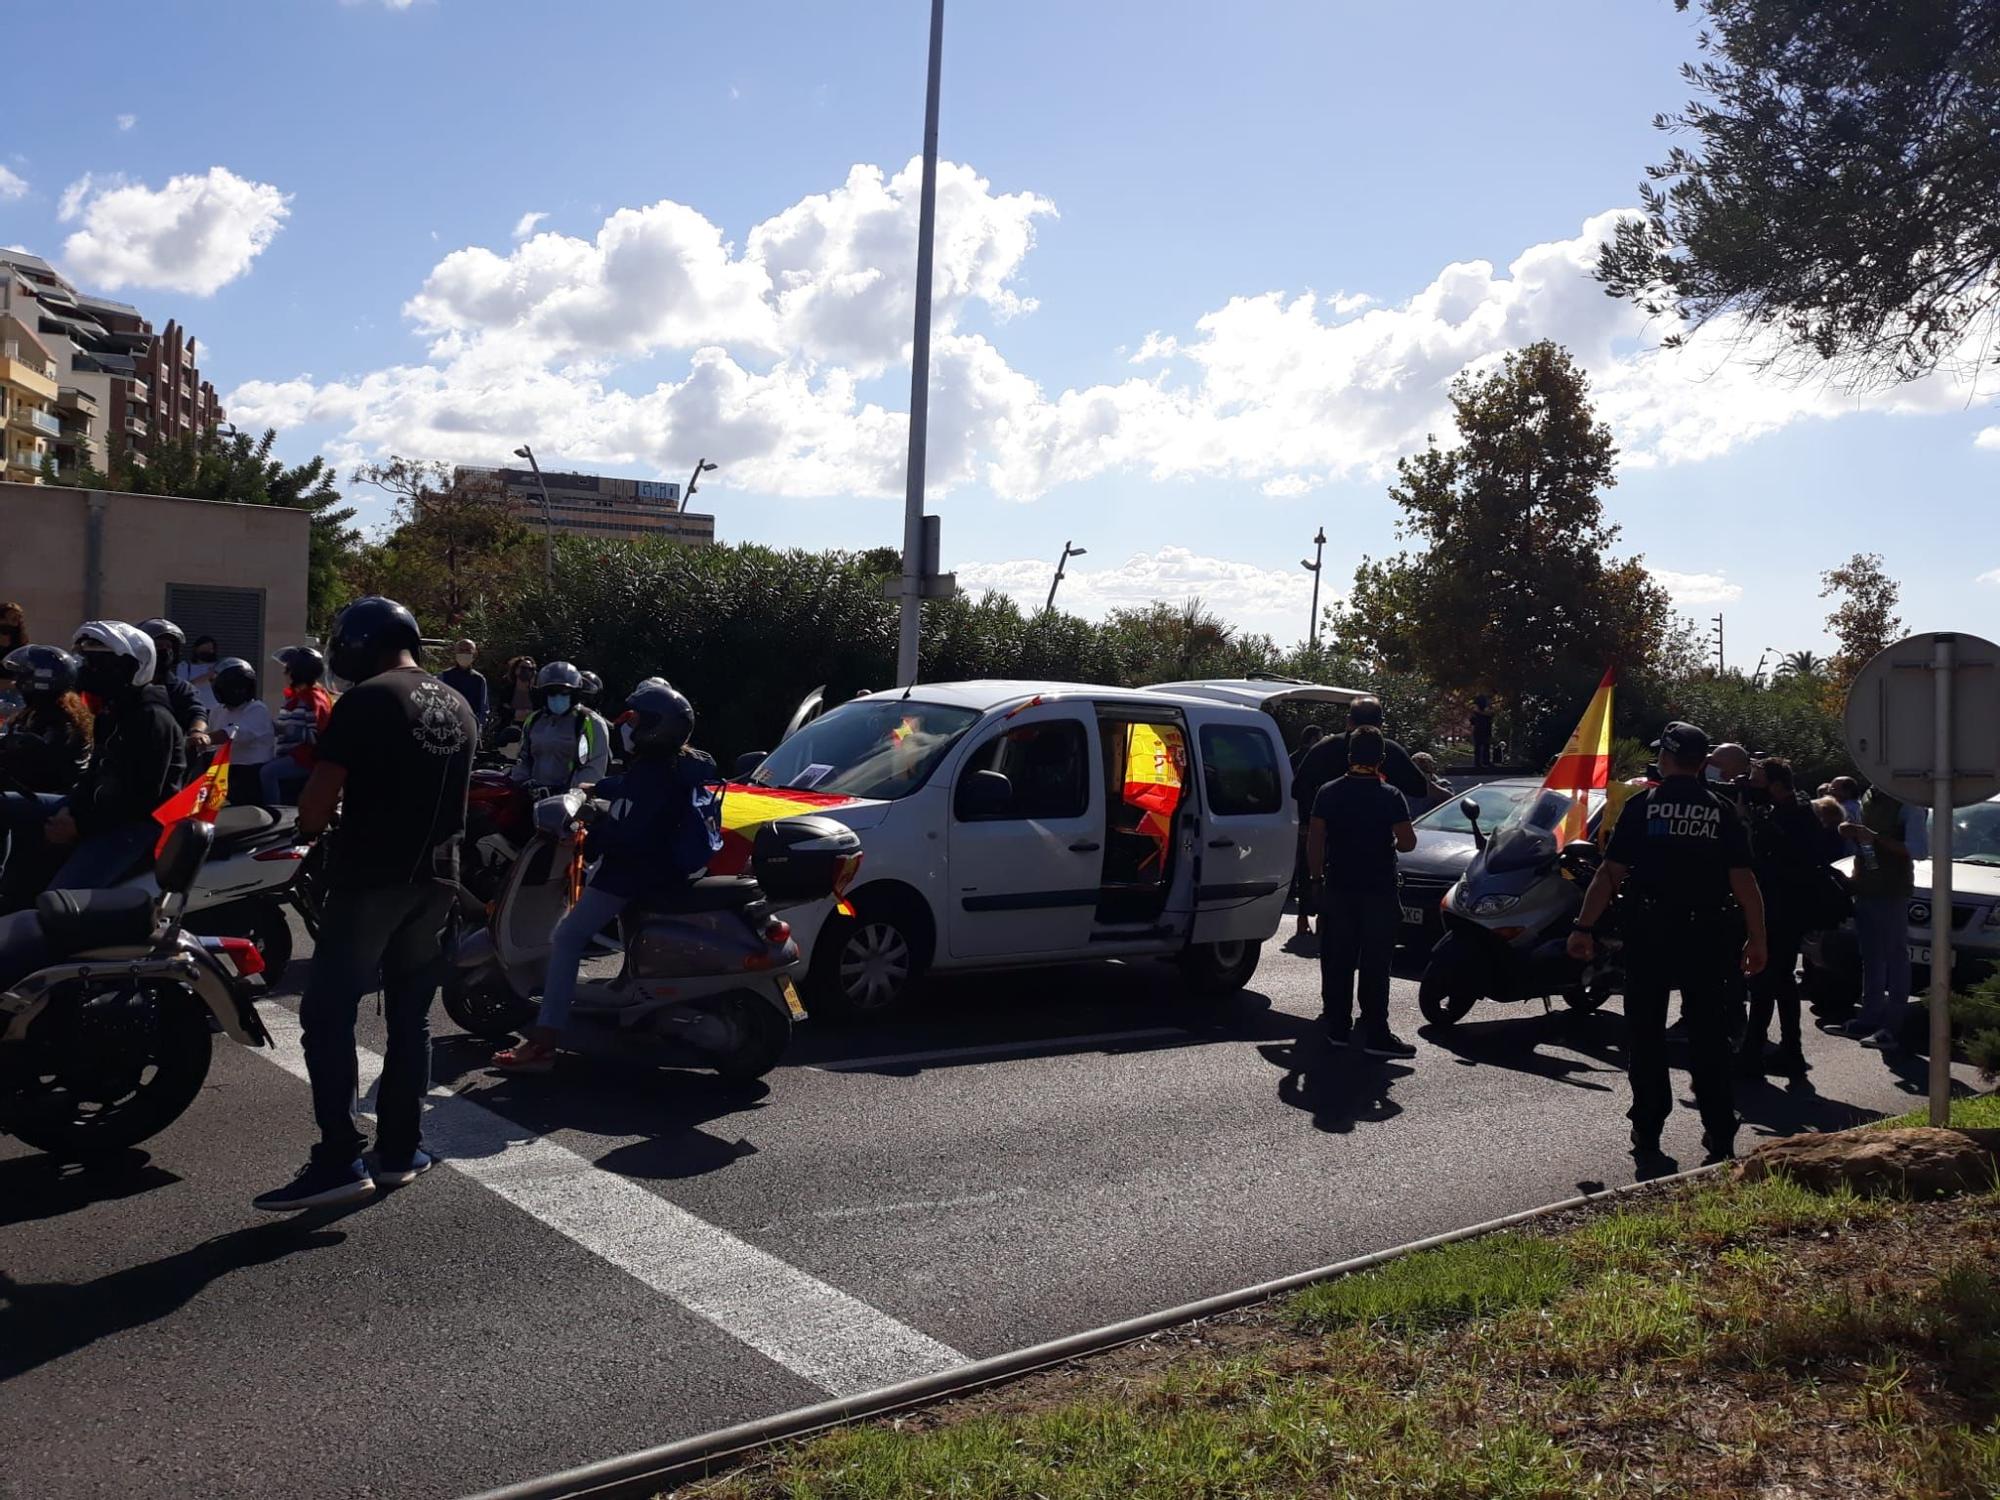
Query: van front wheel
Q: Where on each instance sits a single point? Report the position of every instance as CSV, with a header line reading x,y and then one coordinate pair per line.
x,y
864,966
1215,971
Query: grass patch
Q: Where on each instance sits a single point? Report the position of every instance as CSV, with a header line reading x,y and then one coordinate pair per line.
x,y
1470,1278
1972,1112
1723,1339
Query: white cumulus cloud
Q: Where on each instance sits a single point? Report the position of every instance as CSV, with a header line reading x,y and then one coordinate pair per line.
x,y
780,334
525,225
1991,575
1989,437
12,185
1276,600
196,234
1697,588
126,122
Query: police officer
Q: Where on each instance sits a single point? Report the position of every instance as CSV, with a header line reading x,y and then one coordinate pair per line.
x,y
1681,852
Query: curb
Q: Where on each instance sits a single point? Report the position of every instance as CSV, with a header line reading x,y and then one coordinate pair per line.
x,y
641,1475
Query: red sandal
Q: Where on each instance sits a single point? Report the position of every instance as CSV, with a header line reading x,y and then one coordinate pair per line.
x,y
526,1057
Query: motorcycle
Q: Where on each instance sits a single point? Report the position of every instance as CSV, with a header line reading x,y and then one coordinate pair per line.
x,y
1508,919
707,976
499,821
108,1007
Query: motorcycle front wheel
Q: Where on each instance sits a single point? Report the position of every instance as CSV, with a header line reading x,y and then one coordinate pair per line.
x,y
485,1005
104,1068
1450,986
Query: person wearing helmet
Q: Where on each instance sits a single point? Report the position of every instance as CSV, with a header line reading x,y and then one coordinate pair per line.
x,y
562,744
243,720
396,759
299,725
664,825
96,833
43,747
596,730
169,646
462,678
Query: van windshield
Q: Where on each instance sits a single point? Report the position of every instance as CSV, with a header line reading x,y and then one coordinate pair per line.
x,y
872,747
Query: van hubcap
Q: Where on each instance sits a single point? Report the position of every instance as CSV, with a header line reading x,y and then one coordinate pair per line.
x,y
874,965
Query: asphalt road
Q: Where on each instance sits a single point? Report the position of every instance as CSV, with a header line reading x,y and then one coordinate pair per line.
x,y
617,1257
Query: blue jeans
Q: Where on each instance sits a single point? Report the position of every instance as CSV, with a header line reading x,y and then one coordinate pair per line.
x,y
395,931
94,861
593,912
1882,923
280,781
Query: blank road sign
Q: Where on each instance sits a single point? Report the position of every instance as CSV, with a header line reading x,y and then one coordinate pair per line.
x,y
1892,719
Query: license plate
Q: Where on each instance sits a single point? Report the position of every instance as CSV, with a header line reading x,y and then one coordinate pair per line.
x,y
792,997
1414,914
1919,955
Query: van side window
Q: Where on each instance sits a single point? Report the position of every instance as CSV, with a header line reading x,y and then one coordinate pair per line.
x,y
1240,770
1046,763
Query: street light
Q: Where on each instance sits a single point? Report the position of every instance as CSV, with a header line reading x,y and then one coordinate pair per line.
x,y
1062,563
701,468
1319,555
548,520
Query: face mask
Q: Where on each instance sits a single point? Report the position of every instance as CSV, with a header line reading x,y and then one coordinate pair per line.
x,y
464,658
558,703
625,739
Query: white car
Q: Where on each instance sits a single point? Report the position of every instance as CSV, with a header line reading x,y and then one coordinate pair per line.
x,y
1018,823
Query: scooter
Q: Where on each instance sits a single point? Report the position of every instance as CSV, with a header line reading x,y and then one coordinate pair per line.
x,y
108,1006
258,868
707,979
1508,918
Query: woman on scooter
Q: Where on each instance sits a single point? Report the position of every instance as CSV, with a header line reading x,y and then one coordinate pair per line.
x,y
46,744
664,825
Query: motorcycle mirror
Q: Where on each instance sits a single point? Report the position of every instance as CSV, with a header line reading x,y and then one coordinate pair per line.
x,y
748,762
1470,808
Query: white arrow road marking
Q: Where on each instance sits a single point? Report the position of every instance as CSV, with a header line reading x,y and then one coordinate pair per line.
x,y
818,1332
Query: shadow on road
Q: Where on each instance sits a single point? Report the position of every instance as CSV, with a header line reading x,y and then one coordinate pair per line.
x,y
40,1187
44,1321
1340,1087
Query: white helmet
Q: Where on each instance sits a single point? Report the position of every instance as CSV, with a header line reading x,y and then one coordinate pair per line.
x,y
121,639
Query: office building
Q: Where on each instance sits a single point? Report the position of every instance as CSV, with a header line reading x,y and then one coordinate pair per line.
x,y
597,505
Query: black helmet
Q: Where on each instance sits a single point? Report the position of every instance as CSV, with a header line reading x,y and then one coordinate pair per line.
x,y
658,720
161,630
303,665
556,677
44,673
590,688
235,682
368,630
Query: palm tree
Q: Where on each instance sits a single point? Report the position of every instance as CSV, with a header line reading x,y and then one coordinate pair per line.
x,y
1801,664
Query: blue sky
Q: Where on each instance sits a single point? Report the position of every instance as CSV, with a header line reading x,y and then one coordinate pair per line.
x,y
1204,272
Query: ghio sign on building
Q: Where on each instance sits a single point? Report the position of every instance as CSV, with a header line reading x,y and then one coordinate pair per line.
x,y
1923,724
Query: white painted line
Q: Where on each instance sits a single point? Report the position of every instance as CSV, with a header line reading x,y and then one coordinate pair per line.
x,y
1051,1044
818,1332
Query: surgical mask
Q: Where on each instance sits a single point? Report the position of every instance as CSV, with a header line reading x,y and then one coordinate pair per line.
x,y
464,658
625,739
558,703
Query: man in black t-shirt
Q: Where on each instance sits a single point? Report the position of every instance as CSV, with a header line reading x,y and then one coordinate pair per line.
x,y
397,758
1328,759
1682,856
1358,824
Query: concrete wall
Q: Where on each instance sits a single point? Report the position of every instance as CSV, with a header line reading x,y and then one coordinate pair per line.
x,y
147,543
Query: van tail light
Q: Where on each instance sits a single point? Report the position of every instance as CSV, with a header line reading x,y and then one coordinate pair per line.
x,y
244,955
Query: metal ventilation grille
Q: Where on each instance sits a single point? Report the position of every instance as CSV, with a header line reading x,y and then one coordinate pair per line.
x,y
235,617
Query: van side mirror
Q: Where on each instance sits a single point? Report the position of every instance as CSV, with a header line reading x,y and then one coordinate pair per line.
x,y
748,762
985,794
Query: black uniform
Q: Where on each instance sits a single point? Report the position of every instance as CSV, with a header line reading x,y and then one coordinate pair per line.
x,y
1791,850
1679,842
1326,761
1359,914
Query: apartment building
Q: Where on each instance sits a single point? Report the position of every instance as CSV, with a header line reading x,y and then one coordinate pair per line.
x,y
28,390
597,505
121,386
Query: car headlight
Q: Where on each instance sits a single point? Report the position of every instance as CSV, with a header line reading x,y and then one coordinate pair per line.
x,y
1493,904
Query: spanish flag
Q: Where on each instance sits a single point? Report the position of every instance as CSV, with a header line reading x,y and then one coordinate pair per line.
x,y
747,808
1585,763
1154,760
201,798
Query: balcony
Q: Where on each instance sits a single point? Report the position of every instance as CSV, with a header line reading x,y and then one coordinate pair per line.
x,y
33,374
135,426
31,419
74,399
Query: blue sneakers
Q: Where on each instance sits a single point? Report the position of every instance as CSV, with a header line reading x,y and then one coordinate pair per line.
x,y
399,1171
319,1185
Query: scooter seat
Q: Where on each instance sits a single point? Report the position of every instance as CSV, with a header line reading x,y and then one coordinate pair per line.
x,y
73,921
711,893
240,823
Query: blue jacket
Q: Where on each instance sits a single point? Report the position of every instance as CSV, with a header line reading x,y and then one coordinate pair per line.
x,y
664,826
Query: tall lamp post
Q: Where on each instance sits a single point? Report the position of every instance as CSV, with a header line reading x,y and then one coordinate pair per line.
x,y
548,519
1319,555
701,468
910,626
1062,563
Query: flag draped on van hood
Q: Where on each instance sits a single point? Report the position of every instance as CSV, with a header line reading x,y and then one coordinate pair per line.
x,y
747,807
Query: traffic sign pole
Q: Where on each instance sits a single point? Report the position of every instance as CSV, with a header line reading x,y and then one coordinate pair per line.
x,y
1943,692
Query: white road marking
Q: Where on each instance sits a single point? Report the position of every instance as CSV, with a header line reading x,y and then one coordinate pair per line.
x,y
997,1049
814,1330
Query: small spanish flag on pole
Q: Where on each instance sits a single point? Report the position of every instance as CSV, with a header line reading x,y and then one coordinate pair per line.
x,y
201,798
1585,763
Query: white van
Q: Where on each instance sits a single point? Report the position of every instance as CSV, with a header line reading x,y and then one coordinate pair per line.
x,y
1013,823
